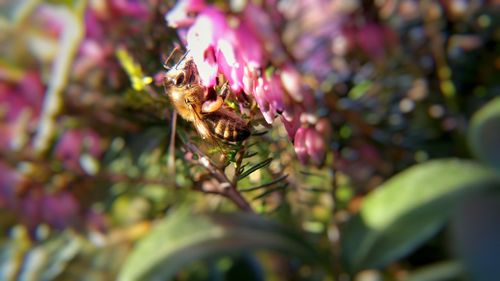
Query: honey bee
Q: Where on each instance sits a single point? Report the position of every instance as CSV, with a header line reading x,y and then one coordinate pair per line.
x,y
211,118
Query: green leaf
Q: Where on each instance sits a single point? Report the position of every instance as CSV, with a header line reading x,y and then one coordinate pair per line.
x,y
360,89
449,270
255,168
183,238
484,133
267,184
49,259
409,208
270,190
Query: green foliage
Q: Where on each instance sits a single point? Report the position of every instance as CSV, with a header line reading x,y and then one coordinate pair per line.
x,y
57,256
484,133
254,168
449,270
111,200
183,238
409,208
137,78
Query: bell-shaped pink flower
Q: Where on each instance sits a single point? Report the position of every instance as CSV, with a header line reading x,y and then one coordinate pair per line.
x,y
181,14
275,93
10,178
269,96
299,144
309,145
315,146
292,82
230,64
291,123
219,44
202,44
22,101
59,210
75,142
261,99
260,24
248,43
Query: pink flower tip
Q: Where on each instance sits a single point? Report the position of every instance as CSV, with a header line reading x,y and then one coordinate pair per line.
x,y
316,147
309,146
299,144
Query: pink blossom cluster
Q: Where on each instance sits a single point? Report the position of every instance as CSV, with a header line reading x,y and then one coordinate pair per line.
x,y
105,22
20,106
245,47
22,190
32,204
25,188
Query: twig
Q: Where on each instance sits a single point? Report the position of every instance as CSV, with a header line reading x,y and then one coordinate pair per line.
x,y
227,188
69,41
171,149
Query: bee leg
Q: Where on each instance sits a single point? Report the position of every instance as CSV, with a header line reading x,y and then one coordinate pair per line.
x,y
225,91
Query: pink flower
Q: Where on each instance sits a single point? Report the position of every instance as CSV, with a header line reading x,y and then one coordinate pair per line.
x,y
310,146
371,38
74,143
58,210
201,44
315,146
240,46
300,145
260,95
181,15
21,101
32,206
292,82
132,8
10,178
227,45
230,64
269,96
291,121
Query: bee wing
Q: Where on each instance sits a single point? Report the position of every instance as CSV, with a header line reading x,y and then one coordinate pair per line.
x,y
200,124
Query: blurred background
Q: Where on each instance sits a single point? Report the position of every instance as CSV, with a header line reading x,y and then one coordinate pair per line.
x,y
375,153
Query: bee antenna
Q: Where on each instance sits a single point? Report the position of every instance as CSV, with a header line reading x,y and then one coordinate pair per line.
x,y
170,57
182,58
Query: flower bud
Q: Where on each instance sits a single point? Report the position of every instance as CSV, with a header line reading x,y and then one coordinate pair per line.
x,y
291,124
315,146
299,144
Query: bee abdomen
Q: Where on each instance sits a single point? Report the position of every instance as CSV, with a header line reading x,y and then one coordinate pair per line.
x,y
229,129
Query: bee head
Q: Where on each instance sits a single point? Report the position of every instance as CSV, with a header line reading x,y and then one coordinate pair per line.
x,y
176,78
183,75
